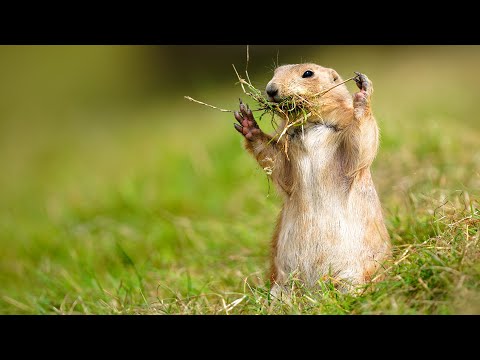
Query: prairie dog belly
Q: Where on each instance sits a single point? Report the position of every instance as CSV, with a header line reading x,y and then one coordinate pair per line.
x,y
321,232
321,241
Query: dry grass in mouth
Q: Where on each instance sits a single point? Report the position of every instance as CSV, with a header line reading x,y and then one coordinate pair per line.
x,y
293,111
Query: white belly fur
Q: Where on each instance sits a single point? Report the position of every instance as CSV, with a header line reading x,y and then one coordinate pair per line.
x,y
325,234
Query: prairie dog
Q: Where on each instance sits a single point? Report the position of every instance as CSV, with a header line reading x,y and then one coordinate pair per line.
x,y
331,222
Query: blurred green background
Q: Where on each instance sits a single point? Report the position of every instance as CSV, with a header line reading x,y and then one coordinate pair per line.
x,y
114,188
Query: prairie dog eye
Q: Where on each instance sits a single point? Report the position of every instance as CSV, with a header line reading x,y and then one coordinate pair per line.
x,y
307,74
335,78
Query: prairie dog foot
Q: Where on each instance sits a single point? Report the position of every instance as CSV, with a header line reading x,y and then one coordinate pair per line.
x,y
248,126
361,99
278,292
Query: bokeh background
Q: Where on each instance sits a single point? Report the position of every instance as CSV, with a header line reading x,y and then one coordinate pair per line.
x,y
116,192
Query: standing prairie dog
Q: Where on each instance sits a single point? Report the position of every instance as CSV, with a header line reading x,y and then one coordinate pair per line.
x,y
331,222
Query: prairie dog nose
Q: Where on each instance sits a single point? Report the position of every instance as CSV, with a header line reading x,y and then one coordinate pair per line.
x,y
272,90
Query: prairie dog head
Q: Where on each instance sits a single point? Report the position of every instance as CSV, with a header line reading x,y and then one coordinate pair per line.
x,y
305,79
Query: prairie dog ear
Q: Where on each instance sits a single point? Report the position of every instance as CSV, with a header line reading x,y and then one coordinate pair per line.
x,y
334,75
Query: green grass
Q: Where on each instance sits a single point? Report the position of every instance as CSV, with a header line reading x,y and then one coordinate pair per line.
x,y
164,212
